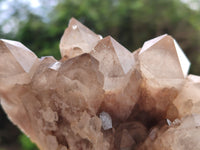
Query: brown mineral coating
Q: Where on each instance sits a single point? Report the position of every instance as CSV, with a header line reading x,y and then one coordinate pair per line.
x,y
57,103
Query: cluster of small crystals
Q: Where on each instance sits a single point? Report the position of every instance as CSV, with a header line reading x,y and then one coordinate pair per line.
x,y
100,96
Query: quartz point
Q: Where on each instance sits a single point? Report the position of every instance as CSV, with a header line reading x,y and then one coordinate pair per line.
x,y
16,63
171,63
77,39
100,96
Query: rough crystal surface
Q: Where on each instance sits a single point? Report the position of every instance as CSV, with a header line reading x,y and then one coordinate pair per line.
x,y
100,96
184,136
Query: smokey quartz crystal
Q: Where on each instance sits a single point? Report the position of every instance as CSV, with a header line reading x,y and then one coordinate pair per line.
x,y
100,96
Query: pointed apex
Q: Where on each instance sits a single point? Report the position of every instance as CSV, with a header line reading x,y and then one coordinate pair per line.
x,y
17,44
73,20
108,37
75,24
107,41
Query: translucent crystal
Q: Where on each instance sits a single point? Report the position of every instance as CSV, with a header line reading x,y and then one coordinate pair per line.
x,y
77,39
100,96
16,63
163,58
164,67
21,54
115,60
120,79
106,120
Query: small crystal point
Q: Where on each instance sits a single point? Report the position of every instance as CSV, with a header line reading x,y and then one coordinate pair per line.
x,y
169,122
106,120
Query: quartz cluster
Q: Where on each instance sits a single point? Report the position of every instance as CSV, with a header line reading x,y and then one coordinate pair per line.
x,y
100,96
